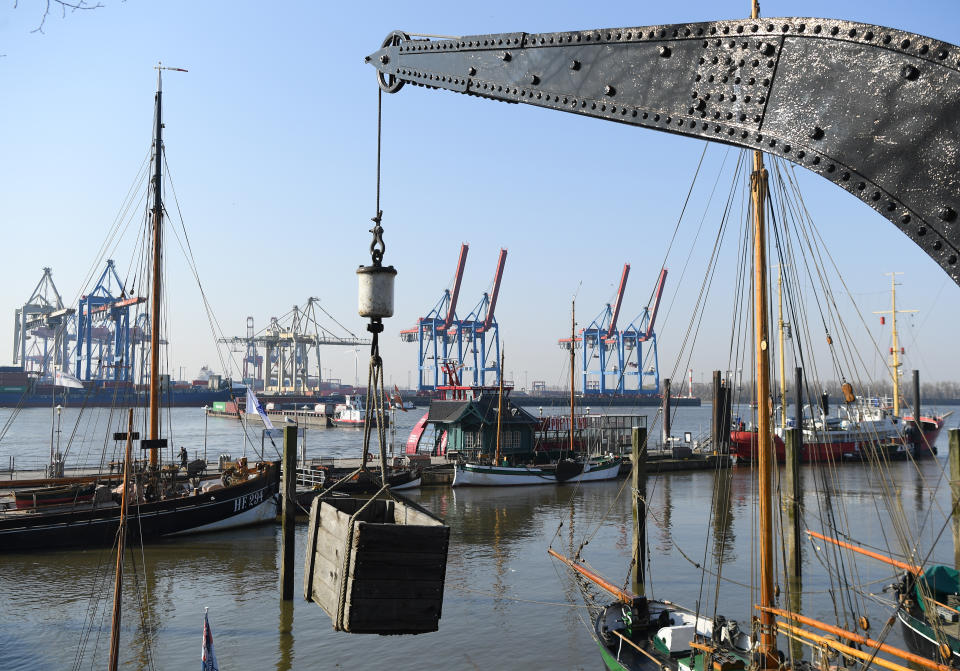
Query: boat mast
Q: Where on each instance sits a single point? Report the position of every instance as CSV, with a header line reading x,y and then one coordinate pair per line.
x,y
496,459
155,289
895,353
121,543
783,379
573,345
758,184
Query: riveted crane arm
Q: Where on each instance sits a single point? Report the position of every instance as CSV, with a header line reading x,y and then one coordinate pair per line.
x,y
874,110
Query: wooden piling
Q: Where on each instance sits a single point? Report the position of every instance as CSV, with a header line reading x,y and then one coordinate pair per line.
x,y
954,458
288,487
638,438
666,413
715,414
798,402
792,500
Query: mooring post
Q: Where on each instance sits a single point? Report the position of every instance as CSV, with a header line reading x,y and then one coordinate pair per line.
x,y
954,458
638,438
715,418
798,402
917,427
792,500
288,488
666,413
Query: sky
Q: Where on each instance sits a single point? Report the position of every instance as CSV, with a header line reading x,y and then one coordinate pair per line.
x,y
271,143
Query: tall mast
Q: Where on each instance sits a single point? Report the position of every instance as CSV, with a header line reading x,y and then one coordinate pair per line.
x,y
783,379
758,182
155,289
496,458
895,353
895,364
114,658
573,344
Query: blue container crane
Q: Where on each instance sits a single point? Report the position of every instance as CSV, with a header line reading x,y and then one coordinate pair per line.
x,y
438,334
613,361
481,333
96,312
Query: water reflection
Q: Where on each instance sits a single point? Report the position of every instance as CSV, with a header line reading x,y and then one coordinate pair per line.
x,y
724,537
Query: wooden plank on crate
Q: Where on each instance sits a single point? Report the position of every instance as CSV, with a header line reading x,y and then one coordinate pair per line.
x,y
392,614
396,588
311,549
374,565
401,538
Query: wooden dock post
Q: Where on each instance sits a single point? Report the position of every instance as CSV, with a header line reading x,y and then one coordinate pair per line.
x,y
922,447
666,414
792,500
638,438
288,488
715,413
954,458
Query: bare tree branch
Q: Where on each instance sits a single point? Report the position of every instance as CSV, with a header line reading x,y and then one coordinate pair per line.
x,y
64,5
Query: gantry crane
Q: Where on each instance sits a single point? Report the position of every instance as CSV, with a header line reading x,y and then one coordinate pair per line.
x,y
41,329
104,345
481,334
437,332
612,359
287,343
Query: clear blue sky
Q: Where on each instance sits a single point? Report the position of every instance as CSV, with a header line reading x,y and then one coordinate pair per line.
x,y
271,143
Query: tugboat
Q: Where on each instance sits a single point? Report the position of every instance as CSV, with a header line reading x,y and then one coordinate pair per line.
x,y
353,413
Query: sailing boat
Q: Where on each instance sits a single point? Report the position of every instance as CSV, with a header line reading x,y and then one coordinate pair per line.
x,y
245,495
929,425
635,632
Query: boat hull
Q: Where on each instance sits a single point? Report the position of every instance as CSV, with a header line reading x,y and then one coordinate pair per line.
x,y
608,470
921,640
743,445
476,475
243,504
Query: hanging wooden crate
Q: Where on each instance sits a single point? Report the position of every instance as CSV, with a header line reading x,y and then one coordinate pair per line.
x,y
396,562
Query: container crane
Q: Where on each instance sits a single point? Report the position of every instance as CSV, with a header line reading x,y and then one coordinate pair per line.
x,y
601,344
479,324
103,326
435,333
44,322
632,339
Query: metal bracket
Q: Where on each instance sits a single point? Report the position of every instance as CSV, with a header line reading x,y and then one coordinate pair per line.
x,y
874,110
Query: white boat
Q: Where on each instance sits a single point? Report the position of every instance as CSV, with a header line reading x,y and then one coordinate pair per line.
x,y
597,468
497,476
352,413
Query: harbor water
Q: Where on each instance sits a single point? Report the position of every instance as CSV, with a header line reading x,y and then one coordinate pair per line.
x,y
507,604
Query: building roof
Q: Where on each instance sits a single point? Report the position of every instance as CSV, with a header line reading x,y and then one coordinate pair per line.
x,y
481,410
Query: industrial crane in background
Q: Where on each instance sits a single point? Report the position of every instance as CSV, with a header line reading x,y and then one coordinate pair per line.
x,y
613,360
479,324
437,331
287,343
444,340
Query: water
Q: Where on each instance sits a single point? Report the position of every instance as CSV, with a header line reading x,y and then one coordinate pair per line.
x,y
507,604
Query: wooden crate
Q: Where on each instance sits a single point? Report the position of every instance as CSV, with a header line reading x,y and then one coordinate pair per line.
x,y
396,568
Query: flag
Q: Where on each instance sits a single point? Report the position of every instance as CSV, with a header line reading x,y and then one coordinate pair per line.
x,y
254,406
62,379
397,398
208,659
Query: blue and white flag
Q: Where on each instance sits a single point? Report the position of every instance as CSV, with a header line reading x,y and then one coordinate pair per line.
x,y
208,659
254,406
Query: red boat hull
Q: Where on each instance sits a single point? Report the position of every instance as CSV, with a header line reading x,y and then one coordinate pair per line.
x,y
743,445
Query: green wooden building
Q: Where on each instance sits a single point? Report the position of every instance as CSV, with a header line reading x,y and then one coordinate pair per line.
x,y
471,427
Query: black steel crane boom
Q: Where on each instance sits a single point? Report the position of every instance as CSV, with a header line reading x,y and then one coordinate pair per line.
x,y
874,110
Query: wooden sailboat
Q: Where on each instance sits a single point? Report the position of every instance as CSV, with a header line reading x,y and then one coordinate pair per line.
x,y
639,633
166,507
